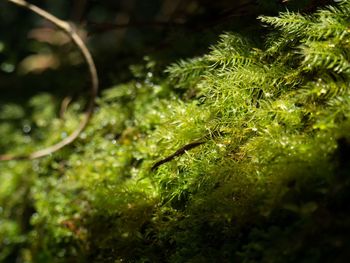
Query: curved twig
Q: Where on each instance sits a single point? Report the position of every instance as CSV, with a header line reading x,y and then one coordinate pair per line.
x,y
64,105
66,27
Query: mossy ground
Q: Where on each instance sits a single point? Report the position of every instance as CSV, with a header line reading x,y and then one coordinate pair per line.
x,y
269,183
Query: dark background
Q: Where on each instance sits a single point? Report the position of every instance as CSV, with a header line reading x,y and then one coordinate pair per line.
x,y
120,33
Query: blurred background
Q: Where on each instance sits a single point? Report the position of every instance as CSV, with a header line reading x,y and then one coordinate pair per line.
x,y
35,57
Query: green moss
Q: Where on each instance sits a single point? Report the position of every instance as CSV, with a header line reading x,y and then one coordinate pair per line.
x,y
268,184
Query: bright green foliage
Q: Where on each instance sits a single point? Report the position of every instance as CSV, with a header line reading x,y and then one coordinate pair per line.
x,y
270,183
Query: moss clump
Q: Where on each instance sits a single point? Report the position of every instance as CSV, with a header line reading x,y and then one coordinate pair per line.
x,y
268,183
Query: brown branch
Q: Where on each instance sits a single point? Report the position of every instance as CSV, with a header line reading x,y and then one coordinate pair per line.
x,y
179,152
66,27
188,147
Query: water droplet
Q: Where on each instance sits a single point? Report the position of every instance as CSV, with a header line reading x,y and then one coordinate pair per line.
x,y
26,128
323,91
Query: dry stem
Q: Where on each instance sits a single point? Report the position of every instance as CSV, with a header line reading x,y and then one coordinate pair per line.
x,y
66,27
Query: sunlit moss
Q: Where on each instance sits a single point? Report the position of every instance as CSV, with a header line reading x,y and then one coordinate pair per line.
x,y
267,182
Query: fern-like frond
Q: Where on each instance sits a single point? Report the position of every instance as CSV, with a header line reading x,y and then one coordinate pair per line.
x,y
329,25
324,55
232,50
277,43
332,21
290,23
187,72
321,90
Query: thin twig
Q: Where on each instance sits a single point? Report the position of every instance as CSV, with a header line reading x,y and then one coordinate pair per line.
x,y
179,152
212,135
66,27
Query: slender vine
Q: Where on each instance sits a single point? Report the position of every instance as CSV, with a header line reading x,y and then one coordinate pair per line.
x,y
69,30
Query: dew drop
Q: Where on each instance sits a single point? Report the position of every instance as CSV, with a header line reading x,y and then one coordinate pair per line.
x,y
26,128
